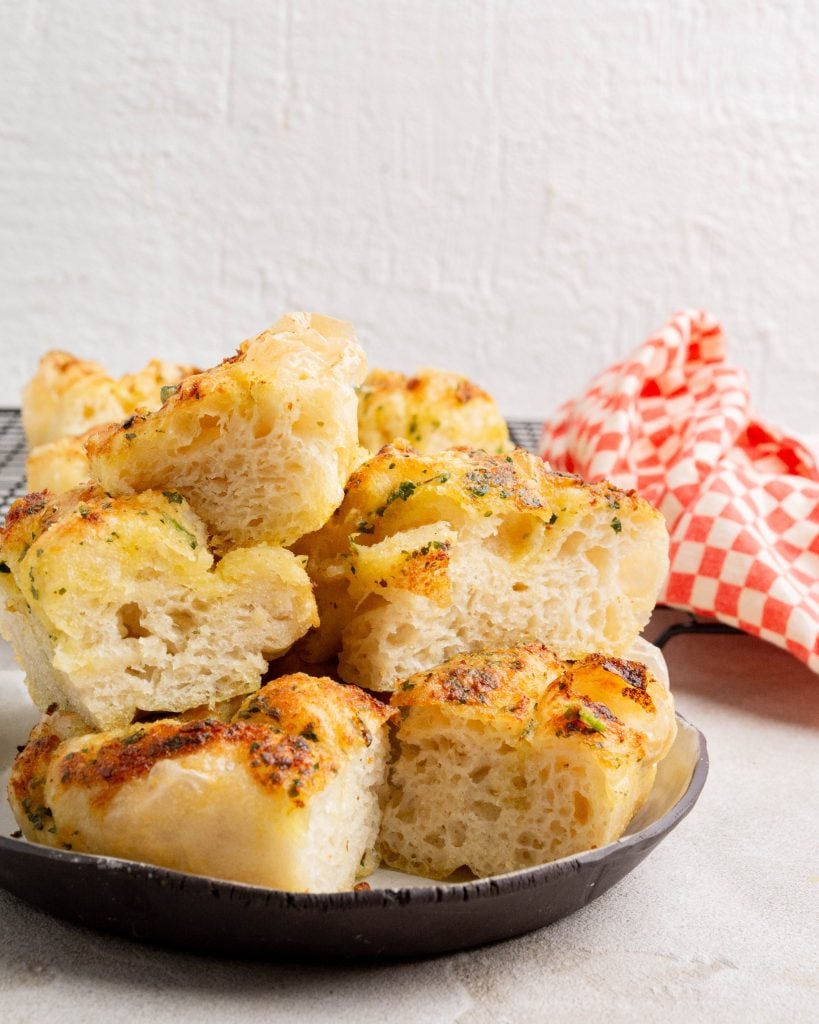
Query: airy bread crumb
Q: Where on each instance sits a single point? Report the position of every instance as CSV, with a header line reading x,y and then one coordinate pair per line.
x,y
261,445
508,758
429,556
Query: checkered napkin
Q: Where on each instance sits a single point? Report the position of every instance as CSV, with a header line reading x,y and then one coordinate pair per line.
x,y
741,498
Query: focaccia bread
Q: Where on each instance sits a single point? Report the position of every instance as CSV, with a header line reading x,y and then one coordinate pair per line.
x,y
115,605
282,793
67,396
509,758
58,466
429,556
261,445
433,410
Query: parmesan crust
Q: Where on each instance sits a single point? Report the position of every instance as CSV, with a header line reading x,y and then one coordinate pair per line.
x,y
283,792
67,396
433,410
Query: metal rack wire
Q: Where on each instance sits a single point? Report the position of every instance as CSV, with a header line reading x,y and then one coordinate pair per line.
x,y
12,458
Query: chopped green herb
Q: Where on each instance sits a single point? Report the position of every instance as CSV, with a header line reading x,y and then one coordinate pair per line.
x,y
365,527
132,738
309,733
407,488
552,519
36,815
174,497
530,728
191,539
433,545
130,436
616,525
403,491
166,391
592,721
408,686
84,512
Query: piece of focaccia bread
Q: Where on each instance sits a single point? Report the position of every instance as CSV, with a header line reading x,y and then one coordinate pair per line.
x,y
283,793
261,445
67,396
58,466
509,758
433,410
116,604
429,556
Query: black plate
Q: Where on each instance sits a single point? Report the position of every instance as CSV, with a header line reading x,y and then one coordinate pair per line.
x,y
399,917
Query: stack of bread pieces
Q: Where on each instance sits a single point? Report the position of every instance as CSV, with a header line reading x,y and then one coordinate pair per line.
x,y
286,621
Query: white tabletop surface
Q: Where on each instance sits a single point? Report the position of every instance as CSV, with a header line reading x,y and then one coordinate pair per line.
x,y
719,924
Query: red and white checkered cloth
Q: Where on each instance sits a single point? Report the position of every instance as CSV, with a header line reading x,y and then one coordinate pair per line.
x,y
741,498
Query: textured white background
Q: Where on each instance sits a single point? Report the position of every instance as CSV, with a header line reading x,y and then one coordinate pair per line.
x,y
521,190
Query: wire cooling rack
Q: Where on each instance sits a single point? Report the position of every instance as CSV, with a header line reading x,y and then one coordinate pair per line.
x,y
12,458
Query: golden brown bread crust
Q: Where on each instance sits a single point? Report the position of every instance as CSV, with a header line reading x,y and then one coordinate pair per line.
x,y
67,396
482,483
284,746
511,683
58,466
433,410
304,705
285,762
506,681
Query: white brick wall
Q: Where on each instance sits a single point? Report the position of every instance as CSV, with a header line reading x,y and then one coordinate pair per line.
x,y
521,190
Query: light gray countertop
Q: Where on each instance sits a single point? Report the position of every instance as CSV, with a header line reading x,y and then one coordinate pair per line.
x,y
719,924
